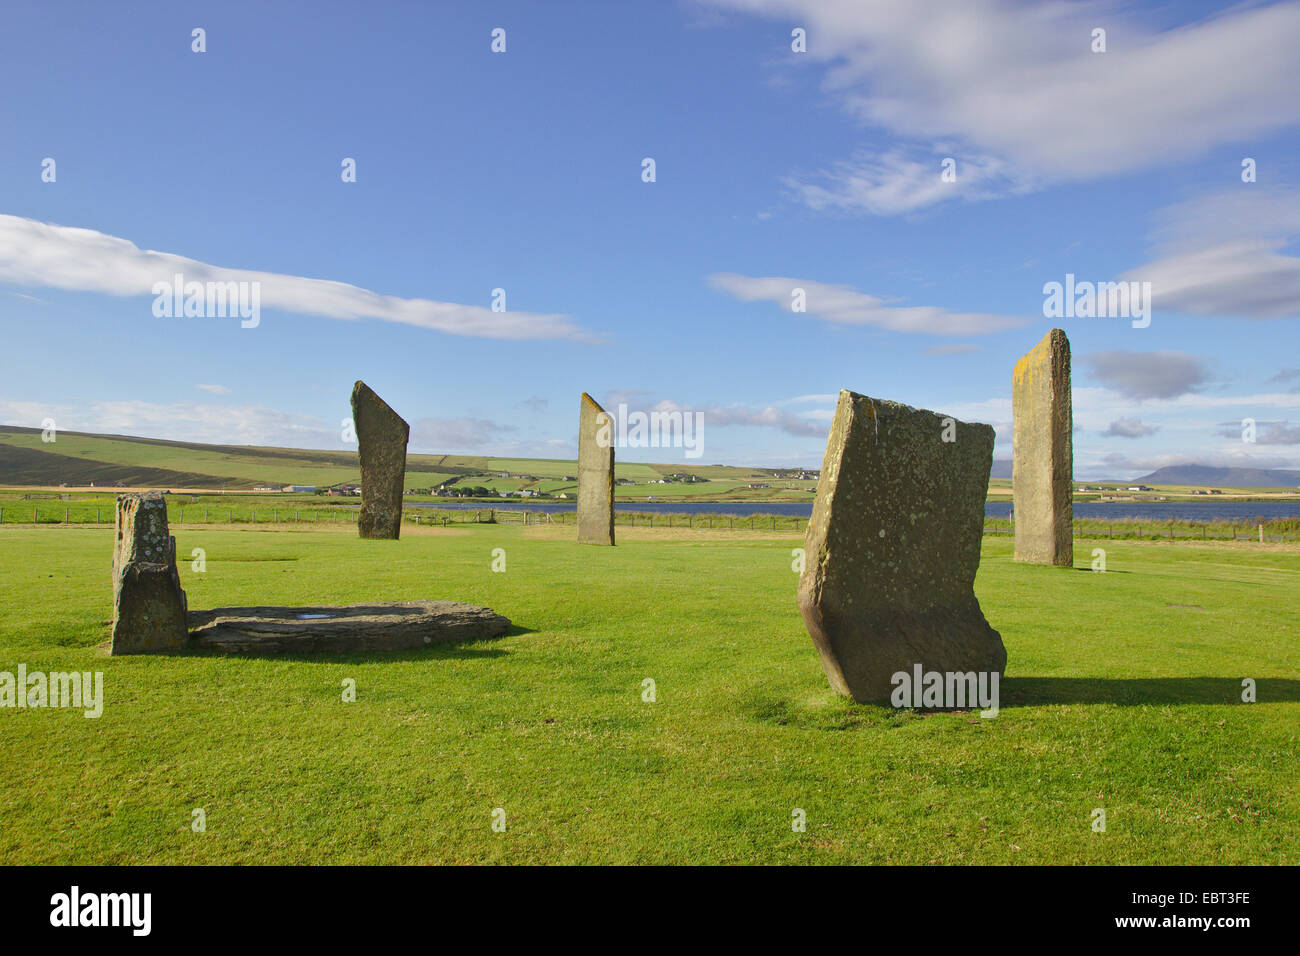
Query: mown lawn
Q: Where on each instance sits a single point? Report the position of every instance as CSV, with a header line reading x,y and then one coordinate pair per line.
x,y
1122,693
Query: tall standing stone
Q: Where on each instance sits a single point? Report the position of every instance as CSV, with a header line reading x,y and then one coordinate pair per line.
x,y
148,603
1042,469
893,546
381,445
595,474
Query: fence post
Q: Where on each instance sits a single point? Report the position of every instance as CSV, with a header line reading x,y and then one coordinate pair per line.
x,y
1261,534
66,509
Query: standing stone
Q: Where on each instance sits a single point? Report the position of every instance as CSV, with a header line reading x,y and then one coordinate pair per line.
x,y
148,603
381,445
1042,467
893,546
595,474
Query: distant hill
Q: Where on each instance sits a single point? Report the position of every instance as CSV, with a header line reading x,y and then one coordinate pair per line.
x,y
1226,477
1001,468
79,458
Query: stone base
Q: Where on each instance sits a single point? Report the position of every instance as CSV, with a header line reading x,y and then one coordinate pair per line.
x,y
352,628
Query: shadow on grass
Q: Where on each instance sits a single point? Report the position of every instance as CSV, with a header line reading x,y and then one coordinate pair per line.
x,y
1135,691
827,711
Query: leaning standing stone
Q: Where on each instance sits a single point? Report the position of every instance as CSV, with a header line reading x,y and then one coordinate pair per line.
x,y
381,445
595,474
1043,454
893,546
148,603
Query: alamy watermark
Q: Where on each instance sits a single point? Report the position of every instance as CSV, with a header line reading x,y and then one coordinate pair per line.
x,y
946,690
655,429
1098,300
208,300
81,690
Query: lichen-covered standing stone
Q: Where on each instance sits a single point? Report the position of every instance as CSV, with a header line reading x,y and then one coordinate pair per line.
x,y
381,445
1042,466
148,603
595,474
893,546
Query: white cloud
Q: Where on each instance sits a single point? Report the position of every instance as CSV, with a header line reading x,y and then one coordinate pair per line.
x,y
455,434
898,182
843,305
40,254
181,421
1016,88
1220,254
213,389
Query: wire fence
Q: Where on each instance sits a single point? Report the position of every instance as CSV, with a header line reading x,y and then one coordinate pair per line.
x,y
74,513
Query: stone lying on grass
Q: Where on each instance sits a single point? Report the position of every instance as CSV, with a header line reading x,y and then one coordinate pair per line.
x,y
893,545
381,447
351,628
148,603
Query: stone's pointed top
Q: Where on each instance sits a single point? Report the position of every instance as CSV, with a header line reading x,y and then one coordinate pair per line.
x,y
365,396
588,400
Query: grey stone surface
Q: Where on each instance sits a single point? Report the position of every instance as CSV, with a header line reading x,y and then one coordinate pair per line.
x,y
595,474
893,546
382,435
385,626
148,603
1042,469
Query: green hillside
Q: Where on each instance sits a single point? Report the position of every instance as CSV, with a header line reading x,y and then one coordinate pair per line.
x,y
77,459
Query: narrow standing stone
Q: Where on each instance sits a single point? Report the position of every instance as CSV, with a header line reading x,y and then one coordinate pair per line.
x,y
1042,469
595,474
893,546
381,445
148,603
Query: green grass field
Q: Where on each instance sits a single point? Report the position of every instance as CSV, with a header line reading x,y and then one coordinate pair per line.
x,y
1122,693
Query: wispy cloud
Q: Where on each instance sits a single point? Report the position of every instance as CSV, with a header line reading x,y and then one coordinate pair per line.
x,y
1016,89
898,182
181,421
1220,254
843,305
35,253
456,434
213,389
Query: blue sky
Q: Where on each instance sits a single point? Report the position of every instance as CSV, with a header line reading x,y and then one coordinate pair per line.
x,y
774,170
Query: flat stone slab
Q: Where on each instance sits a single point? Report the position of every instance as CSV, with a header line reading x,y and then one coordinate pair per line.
x,y
350,628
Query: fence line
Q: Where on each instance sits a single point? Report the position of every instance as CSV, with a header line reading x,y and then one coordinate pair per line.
x,y
95,513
